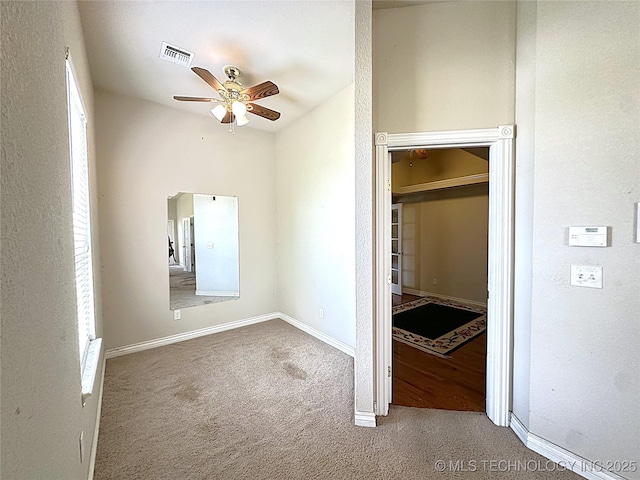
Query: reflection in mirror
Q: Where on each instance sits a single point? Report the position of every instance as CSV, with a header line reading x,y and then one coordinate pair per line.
x,y
203,249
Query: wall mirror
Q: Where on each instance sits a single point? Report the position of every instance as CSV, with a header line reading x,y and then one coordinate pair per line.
x,y
202,232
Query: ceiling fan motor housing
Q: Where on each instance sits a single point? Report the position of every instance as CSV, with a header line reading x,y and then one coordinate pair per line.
x,y
232,72
233,86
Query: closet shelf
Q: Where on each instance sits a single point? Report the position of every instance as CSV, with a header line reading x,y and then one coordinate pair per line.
x,y
442,184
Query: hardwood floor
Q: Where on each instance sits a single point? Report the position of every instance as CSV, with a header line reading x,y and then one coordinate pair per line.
x,y
426,381
404,298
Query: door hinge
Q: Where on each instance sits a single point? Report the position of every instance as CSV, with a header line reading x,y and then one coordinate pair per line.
x,y
389,371
388,185
389,279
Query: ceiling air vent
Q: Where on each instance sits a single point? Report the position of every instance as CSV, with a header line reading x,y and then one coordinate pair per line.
x,y
176,55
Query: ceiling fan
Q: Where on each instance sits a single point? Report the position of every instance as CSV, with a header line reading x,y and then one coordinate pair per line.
x,y
235,100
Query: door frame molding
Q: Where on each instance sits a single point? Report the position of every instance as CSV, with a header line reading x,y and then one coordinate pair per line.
x,y
186,249
500,141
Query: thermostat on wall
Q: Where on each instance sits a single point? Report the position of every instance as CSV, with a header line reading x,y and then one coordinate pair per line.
x,y
589,236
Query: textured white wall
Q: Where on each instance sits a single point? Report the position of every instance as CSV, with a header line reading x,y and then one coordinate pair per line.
x,y
146,153
445,237
363,363
184,205
444,66
315,205
42,413
584,342
525,153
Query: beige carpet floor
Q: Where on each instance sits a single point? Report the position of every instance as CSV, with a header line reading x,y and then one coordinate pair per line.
x,y
269,401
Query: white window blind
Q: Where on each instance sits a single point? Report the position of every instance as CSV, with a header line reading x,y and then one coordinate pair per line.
x,y
81,216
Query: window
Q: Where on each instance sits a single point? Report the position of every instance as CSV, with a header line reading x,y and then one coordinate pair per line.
x,y
88,348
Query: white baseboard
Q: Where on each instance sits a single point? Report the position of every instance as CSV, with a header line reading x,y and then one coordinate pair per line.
x,y
564,458
181,337
422,293
343,347
96,428
518,427
218,293
365,419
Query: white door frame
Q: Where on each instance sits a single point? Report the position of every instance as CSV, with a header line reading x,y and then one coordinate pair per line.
x,y
500,260
186,244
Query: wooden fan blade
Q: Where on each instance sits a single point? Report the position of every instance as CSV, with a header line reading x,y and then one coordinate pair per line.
x,y
228,118
207,77
263,112
263,90
193,99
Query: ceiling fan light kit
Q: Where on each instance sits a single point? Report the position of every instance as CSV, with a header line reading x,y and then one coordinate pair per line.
x,y
219,111
241,121
235,100
238,108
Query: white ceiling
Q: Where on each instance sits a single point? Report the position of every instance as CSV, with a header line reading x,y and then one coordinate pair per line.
x,y
304,47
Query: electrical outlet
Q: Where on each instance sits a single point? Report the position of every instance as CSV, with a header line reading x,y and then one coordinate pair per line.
x,y
177,314
435,281
322,313
586,276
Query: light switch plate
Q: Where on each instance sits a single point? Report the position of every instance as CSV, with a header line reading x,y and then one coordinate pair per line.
x,y
586,276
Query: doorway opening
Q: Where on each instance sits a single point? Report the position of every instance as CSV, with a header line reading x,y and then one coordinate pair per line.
x,y
499,319
439,235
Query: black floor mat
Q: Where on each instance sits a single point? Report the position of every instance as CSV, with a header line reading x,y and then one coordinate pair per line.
x,y
433,320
